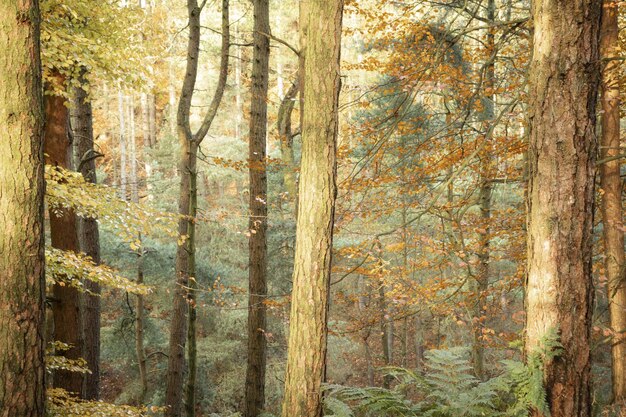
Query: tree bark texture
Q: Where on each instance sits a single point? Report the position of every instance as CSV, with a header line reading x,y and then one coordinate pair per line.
x,y
611,184
257,224
563,86
22,287
66,301
306,359
89,239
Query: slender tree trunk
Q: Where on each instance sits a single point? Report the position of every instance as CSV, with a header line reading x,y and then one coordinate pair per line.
x,y
122,127
306,358
89,238
152,119
185,254
63,235
484,197
563,87
145,121
192,351
139,329
611,184
22,287
257,224
134,181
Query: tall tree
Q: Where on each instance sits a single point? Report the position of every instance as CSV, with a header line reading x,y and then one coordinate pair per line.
x,y
185,254
563,88
66,300
89,235
22,285
257,225
611,184
306,359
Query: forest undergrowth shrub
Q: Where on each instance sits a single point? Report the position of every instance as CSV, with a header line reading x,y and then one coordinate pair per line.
x,y
448,388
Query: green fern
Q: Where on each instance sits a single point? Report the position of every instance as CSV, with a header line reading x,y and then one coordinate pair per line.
x,y
527,379
449,389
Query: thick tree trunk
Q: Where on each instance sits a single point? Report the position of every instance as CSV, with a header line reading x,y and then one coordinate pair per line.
x,y
89,239
63,235
611,184
306,359
563,87
22,369
257,224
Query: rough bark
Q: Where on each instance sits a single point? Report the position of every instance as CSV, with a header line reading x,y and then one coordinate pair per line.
x,y
257,224
611,184
189,151
63,235
563,87
306,359
22,285
89,238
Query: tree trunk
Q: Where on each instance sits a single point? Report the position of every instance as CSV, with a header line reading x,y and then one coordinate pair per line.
x,y
152,119
484,200
285,134
63,235
192,351
134,182
139,329
89,238
22,369
563,86
611,184
257,224
145,121
122,127
306,358
185,254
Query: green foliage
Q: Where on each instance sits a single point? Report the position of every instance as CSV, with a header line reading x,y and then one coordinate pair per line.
x,y
69,190
449,389
526,380
56,362
63,404
69,268
100,36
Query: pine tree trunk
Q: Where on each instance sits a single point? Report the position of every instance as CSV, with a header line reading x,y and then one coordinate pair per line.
x,y
306,359
89,238
611,184
563,86
257,224
22,369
